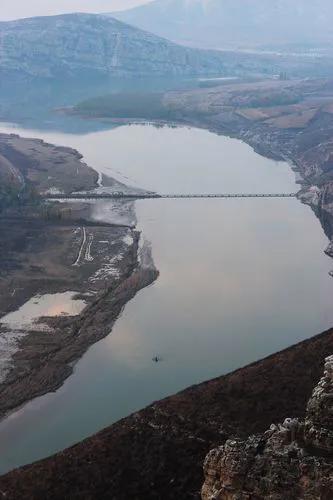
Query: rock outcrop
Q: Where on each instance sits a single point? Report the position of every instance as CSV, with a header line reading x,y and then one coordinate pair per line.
x,y
318,428
293,460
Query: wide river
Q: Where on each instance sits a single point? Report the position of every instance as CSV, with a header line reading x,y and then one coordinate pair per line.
x,y
239,279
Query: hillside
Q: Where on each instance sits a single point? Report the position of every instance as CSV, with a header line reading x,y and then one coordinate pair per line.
x,y
85,45
158,453
89,49
235,23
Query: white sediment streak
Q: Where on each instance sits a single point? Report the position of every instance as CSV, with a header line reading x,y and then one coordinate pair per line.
x,y
100,180
145,254
128,239
109,269
84,240
88,256
54,191
114,60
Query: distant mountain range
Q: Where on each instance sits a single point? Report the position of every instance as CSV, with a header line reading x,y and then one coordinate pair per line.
x,y
95,45
87,47
236,23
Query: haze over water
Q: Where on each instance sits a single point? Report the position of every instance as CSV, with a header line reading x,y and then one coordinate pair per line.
x,y
239,279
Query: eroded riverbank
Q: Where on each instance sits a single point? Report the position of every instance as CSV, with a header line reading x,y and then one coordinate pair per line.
x,y
51,250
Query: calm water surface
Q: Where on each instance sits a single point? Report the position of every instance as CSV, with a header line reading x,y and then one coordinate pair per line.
x,y
239,279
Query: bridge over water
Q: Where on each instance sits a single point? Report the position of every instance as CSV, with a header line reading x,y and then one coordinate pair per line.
x,y
144,196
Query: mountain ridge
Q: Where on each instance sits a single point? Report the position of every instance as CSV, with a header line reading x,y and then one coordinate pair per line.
x,y
91,44
226,23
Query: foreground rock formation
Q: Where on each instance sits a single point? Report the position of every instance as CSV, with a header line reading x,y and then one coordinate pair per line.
x,y
293,460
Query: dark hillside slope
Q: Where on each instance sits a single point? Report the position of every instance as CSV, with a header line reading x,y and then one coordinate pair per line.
x,y
158,453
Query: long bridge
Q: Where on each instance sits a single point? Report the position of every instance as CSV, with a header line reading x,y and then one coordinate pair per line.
x,y
144,196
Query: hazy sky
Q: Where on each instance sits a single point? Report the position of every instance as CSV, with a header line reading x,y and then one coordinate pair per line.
x,y
15,9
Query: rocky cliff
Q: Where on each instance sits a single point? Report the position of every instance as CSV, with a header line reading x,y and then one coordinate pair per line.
x,y
292,460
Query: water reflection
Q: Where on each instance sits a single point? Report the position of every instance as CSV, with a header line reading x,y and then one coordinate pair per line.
x,y
51,305
38,102
174,160
17,324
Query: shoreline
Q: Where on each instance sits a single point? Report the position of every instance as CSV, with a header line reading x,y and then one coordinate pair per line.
x,y
277,141
282,120
52,360
54,248
178,423
253,134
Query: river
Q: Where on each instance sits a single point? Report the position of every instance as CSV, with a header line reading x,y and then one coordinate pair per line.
x,y
239,279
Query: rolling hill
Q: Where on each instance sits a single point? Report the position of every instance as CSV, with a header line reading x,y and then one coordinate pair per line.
x,y
87,45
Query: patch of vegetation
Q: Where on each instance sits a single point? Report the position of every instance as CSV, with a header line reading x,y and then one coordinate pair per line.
x,y
9,196
265,99
148,106
13,197
55,211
